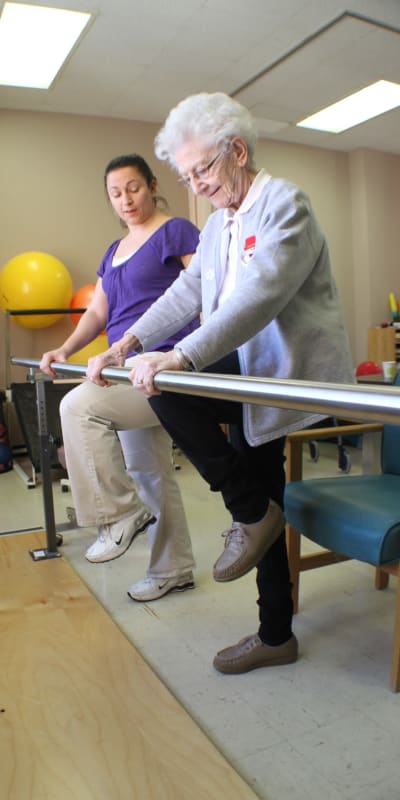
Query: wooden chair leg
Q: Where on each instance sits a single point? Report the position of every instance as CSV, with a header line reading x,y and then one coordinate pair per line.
x,y
381,578
395,670
293,544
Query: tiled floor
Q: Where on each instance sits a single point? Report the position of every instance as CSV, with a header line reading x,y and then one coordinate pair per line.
x,y
325,727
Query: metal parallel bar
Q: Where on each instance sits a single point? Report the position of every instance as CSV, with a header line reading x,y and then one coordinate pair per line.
x,y
356,402
361,403
28,312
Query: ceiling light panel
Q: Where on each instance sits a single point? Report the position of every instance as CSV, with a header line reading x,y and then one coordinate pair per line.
x,y
369,102
35,41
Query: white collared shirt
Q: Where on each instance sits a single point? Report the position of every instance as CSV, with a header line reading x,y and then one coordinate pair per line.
x,y
231,233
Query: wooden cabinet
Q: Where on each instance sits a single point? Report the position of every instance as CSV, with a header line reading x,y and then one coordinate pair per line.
x,y
384,344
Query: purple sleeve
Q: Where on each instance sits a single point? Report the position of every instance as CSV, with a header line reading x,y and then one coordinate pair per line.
x,y
179,238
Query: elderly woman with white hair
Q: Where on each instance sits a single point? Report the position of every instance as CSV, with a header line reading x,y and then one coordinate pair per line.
x,y
262,278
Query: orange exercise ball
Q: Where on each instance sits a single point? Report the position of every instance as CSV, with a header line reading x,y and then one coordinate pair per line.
x,y
31,281
94,348
81,299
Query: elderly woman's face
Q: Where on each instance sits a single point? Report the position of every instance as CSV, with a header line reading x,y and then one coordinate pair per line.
x,y
218,174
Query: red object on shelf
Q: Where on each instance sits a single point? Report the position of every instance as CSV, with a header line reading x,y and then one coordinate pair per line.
x,y
368,368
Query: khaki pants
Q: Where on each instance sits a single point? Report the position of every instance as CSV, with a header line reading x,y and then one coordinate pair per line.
x,y
96,422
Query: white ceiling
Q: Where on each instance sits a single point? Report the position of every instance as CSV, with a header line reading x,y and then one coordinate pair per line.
x,y
284,59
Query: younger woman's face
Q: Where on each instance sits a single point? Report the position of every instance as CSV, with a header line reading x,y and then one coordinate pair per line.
x,y
130,195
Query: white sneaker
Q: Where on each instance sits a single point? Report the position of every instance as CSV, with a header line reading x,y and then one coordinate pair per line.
x,y
115,538
151,588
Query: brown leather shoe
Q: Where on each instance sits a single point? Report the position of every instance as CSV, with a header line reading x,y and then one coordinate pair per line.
x,y
245,545
251,653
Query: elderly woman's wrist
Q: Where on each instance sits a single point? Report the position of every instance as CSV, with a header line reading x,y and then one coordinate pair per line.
x,y
130,342
124,347
183,359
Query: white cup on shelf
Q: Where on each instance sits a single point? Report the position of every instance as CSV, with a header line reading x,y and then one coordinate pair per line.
x,y
389,369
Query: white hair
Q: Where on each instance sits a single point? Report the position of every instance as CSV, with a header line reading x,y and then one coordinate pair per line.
x,y
214,119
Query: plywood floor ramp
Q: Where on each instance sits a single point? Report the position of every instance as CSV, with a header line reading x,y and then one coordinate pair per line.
x,y
82,716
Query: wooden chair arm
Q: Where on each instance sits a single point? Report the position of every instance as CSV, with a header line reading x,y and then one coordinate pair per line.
x,y
295,441
311,434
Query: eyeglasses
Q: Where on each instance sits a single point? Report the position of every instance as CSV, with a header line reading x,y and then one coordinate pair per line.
x,y
199,173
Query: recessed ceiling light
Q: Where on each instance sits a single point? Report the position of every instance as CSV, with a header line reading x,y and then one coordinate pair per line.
x,y
356,108
35,41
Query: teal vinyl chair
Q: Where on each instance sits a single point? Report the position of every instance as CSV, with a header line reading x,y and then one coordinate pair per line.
x,y
350,517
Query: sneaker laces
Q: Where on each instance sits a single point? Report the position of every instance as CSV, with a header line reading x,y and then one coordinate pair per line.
x,y
235,535
148,580
104,533
248,643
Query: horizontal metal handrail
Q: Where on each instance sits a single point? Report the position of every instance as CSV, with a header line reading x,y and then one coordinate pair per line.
x,y
29,312
370,403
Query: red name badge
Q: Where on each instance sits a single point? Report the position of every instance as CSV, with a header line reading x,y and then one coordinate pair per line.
x,y
250,243
249,247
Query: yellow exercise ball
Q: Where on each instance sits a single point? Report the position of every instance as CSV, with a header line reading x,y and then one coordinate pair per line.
x,y
35,280
94,348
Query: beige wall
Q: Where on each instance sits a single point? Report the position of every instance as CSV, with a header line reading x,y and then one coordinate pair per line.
x,y
51,199
375,193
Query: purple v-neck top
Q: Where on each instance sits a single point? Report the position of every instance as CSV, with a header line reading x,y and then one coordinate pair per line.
x,y
132,286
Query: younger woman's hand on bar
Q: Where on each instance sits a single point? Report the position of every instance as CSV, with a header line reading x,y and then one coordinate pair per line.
x,y
58,355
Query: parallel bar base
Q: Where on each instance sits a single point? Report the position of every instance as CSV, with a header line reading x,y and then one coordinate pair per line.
x,y
43,555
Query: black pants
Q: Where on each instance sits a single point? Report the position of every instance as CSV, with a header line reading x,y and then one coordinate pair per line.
x,y
246,477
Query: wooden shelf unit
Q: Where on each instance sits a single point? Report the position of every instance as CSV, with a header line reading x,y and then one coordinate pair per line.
x,y
384,344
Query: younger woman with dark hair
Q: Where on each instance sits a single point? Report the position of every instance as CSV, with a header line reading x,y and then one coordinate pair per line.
x,y
134,272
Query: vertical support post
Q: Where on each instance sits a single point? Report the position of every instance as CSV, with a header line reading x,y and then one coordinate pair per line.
x,y
45,466
8,351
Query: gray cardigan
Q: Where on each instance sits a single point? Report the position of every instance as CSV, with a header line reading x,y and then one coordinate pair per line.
x,y
283,317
